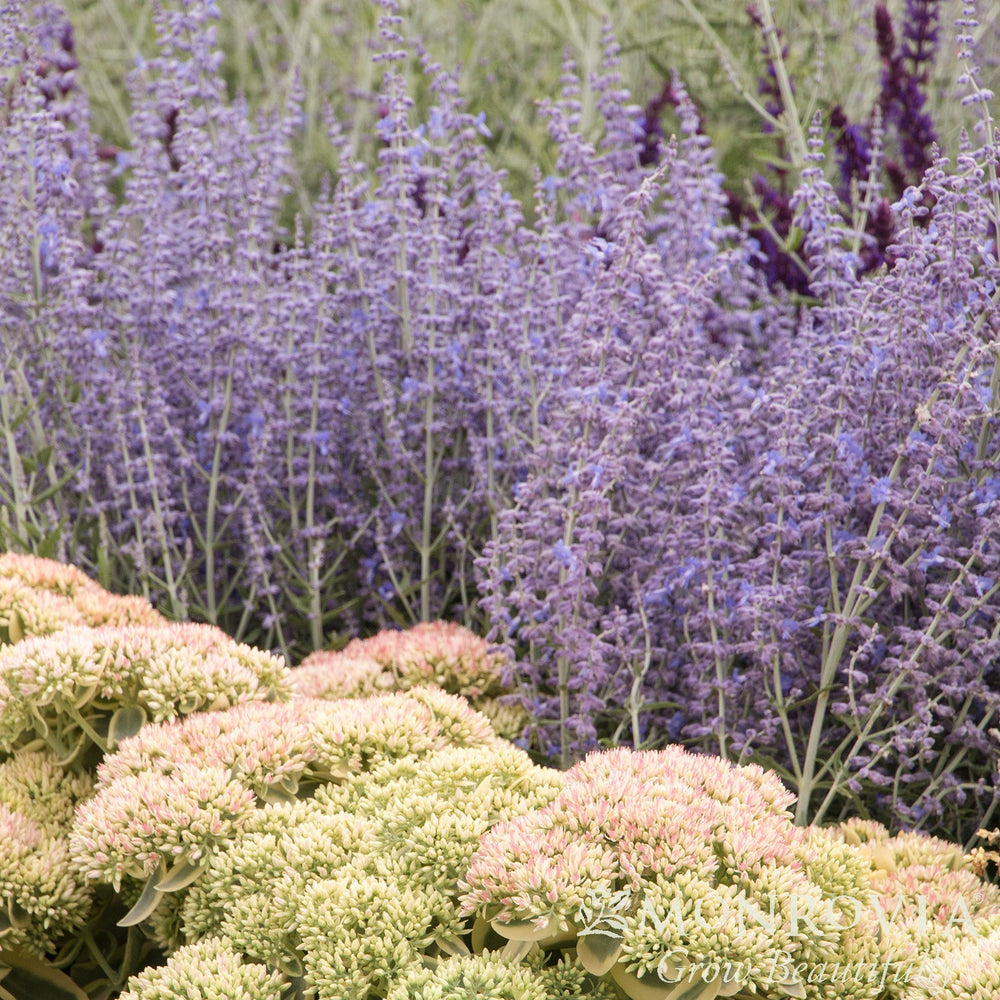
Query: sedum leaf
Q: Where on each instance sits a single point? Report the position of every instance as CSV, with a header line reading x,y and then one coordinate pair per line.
x,y
15,628
484,938
648,987
514,951
147,902
793,988
598,952
183,874
696,989
526,930
125,722
453,947
730,987
27,976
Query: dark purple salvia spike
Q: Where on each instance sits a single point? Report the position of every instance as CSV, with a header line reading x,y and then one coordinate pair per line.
x,y
649,137
905,73
853,151
920,37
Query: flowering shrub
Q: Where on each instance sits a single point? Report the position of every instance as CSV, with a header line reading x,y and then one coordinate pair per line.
x,y
443,654
690,506
785,554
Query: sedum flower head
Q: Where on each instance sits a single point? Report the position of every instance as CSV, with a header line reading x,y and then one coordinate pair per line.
x,y
438,653
433,812
689,922
442,653
41,596
41,897
252,888
67,688
359,931
357,735
969,969
327,674
485,781
35,785
25,611
928,899
208,970
906,848
929,909
479,977
567,980
655,812
267,744
45,574
838,868
141,822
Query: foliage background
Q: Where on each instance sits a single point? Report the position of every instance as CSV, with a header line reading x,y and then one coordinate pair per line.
x,y
509,55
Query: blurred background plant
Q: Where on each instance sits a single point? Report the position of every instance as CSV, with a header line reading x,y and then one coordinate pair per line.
x,y
694,503
508,54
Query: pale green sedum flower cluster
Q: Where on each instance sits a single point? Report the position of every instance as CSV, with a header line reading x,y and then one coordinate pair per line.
x,y
89,687
42,896
207,970
491,977
356,887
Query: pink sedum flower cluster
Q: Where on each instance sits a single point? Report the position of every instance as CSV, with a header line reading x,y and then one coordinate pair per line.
x,y
438,653
42,897
41,596
968,970
938,916
650,863
144,821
